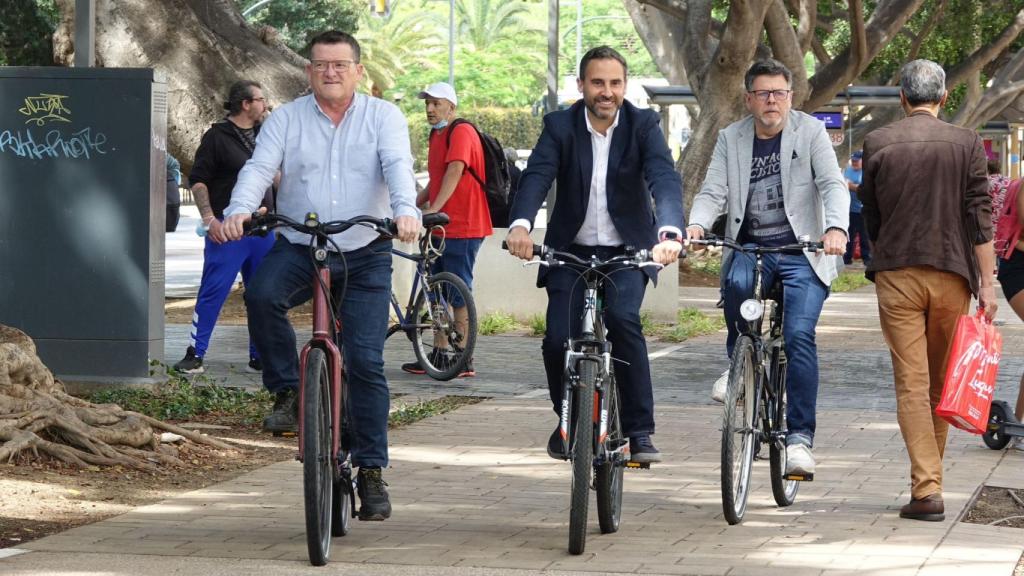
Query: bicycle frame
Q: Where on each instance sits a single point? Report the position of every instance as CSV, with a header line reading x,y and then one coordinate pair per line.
x,y
423,261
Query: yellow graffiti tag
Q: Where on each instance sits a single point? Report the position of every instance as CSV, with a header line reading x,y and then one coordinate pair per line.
x,y
45,108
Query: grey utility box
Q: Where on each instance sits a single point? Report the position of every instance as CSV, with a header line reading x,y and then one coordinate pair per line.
x,y
82,209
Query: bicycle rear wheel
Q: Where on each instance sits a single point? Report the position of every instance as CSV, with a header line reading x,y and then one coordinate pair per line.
x,y
582,456
738,435
783,490
608,480
441,349
317,479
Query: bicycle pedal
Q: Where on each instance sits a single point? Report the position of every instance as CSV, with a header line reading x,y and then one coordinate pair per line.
x,y
284,434
638,465
800,477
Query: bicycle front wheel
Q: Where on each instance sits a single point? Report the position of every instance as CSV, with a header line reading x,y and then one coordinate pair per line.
x,y
608,480
582,456
783,490
317,479
445,326
738,430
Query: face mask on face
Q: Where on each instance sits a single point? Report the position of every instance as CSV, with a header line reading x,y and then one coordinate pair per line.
x,y
440,125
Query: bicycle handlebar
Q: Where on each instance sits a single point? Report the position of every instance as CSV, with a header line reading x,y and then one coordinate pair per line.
x,y
551,257
797,248
435,219
261,224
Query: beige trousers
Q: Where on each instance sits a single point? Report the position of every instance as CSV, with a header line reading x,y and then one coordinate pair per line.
x,y
918,308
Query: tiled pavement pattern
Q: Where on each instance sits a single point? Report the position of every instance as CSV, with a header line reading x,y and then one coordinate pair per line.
x,y
474,492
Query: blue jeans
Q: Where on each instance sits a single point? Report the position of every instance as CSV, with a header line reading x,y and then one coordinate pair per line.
x,y
283,281
459,257
624,293
803,296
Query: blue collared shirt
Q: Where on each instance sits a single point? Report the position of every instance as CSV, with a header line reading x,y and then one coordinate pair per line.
x,y
363,166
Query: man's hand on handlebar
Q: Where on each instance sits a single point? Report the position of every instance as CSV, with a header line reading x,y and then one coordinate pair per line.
x,y
233,225
666,252
835,242
694,233
408,228
520,244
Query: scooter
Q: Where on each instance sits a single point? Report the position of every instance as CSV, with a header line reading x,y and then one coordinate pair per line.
x,y
1002,426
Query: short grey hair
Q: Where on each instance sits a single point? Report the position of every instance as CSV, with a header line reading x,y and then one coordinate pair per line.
x,y
922,82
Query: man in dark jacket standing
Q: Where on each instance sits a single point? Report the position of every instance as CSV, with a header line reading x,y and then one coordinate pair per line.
x,y
222,152
610,159
928,214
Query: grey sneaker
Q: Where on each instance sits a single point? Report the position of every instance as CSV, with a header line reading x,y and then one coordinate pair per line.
x,y
374,503
190,364
720,386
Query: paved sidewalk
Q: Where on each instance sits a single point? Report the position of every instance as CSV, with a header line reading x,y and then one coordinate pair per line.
x,y
474,492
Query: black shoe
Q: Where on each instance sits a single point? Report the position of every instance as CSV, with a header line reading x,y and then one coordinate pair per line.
x,y
555,445
255,365
720,303
438,359
467,371
642,450
285,415
190,364
373,496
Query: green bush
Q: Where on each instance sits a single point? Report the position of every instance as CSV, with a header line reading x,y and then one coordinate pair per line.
x,y
513,127
496,323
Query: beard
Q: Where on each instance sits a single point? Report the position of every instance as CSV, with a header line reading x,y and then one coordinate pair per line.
x,y
599,113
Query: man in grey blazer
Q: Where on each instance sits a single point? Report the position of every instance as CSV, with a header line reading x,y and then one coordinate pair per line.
x,y
775,175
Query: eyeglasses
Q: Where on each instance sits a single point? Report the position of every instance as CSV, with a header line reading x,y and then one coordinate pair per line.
x,y
322,66
260,99
763,95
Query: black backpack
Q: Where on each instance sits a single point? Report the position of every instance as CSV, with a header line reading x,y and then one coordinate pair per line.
x,y
498,184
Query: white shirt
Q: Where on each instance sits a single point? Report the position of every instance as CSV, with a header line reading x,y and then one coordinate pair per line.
x,y
361,166
598,228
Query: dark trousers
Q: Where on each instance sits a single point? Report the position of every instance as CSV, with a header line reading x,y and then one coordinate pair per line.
x,y
283,281
624,292
857,226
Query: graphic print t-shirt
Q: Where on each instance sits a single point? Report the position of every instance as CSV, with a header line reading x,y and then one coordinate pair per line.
x,y
765,222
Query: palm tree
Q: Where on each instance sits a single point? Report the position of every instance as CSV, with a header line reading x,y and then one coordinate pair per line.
x,y
391,44
483,23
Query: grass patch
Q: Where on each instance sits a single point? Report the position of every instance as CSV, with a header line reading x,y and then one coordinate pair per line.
x,y
849,280
705,262
496,323
647,324
538,325
415,412
180,399
692,322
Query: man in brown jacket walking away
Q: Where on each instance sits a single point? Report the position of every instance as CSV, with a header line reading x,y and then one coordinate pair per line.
x,y
928,213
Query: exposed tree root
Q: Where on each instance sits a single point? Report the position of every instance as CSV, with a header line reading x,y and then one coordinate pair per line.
x,y
37,416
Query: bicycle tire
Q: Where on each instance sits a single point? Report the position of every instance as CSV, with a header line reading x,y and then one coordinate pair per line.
x,y
783,490
738,422
609,475
317,478
582,450
432,315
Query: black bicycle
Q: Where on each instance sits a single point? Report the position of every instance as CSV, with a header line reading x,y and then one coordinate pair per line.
x,y
755,400
440,316
591,432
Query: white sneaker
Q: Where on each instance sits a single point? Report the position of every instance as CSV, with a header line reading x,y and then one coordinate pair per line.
x,y
1017,443
799,459
718,390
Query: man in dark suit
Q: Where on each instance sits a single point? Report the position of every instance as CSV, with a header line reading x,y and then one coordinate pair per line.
x,y
609,159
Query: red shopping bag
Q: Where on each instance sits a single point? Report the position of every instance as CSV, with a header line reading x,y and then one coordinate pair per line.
x,y
971,374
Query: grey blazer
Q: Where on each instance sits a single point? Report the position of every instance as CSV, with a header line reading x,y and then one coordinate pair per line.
x,y
815,192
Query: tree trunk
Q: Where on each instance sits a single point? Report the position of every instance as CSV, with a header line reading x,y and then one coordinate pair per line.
x,y
201,46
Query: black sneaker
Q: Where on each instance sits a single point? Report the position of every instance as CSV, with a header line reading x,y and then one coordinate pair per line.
x,y
467,371
190,364
373,496
642,450
556,448
285,415
720,303
438,358
255,365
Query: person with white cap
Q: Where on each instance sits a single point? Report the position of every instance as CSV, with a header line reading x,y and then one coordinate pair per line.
x,y
455,166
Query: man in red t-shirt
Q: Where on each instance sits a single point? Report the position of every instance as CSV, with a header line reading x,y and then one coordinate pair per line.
x,y
454,152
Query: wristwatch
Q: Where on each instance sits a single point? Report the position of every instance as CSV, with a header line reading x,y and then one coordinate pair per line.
x,y
669,235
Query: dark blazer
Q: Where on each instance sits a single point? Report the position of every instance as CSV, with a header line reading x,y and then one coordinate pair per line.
x,y
639,168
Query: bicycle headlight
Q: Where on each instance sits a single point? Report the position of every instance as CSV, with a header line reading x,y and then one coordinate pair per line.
x,y
751,310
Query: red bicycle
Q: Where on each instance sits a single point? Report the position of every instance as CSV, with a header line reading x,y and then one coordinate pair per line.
x,y
323,431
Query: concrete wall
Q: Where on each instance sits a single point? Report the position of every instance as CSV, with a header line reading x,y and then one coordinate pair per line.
x,y
501,283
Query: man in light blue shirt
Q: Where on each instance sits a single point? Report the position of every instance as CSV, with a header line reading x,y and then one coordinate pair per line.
x,y
853,174
341,155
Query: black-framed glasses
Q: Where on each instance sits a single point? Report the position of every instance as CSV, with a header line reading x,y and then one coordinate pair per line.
x,y
779,95
322,66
